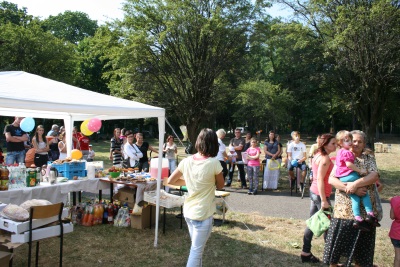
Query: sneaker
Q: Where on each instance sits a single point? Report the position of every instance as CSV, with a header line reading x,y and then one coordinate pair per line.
x,y
227,184
372,220
361,225
249,193
254,192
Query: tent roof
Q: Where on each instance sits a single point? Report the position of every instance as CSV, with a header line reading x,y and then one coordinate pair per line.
x,y
24,94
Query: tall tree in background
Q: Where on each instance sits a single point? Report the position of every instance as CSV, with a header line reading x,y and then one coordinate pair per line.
x,y
175,50
10,13
363,37
72,26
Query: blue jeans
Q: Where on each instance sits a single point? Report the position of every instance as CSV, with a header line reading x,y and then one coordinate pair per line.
x,y
172,165
355,200
302,166
199,233
15,157
308,234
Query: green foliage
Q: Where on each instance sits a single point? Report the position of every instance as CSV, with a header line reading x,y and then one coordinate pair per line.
x,y
32,50
10,13
174,51
72,26
94,62
361,40
262,102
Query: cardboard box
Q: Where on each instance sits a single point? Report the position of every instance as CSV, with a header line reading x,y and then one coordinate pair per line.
x,y
42,233
143,221
126,194
5,258
20,227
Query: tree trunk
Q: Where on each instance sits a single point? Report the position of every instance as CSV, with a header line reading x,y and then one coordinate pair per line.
x,y
192,134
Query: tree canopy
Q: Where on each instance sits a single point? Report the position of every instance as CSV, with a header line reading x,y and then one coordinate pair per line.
x,y
220,64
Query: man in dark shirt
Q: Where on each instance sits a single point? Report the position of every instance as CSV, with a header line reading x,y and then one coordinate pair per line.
x,y
238,143
15,138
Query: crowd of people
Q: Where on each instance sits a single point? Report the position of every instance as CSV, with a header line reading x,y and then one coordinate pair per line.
x,y
353,174
37,149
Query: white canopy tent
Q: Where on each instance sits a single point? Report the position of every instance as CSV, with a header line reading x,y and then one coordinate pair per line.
x,y
26,95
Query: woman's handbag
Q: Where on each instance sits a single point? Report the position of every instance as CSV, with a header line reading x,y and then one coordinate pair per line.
x,y
319,222
378,204
273,165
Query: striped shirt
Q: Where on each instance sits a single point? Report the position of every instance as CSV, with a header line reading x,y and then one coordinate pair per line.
x,y
116,145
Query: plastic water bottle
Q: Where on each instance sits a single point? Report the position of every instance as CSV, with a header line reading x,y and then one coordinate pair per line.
x,y
22,180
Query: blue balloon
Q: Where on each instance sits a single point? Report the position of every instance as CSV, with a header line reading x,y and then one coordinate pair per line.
x,y
27,124
294,162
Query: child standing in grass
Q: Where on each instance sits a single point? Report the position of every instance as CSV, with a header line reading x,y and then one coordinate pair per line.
x,y
253,165
394,233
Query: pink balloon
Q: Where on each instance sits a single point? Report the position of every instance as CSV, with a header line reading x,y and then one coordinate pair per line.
x,y
94,125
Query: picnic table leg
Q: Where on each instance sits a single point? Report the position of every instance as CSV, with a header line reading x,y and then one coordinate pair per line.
x,y
181,217
151,207
223,209
164,221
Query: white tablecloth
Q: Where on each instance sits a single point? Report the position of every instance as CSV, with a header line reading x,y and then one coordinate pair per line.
x,y
54,193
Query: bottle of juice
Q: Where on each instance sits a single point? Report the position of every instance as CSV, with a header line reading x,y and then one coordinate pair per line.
x,y
101,211
91,216
86,216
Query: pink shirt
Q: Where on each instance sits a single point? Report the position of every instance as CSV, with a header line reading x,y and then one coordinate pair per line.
x,y
395,229
343,156
314,185
251,151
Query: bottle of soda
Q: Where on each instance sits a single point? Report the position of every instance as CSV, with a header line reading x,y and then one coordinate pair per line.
x,y
105,213
22,177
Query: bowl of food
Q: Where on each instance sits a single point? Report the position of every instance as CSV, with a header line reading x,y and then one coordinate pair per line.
x,y
114,174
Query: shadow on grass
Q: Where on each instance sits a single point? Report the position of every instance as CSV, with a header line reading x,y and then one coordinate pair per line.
x,y
106,245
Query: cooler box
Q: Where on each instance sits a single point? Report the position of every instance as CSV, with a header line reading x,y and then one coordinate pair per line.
x,y
154,168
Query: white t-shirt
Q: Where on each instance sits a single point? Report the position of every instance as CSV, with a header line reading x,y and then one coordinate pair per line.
x,y
200,181
297,150
170,154
221,150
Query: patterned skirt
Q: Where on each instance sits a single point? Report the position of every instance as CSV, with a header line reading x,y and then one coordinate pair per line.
x,y
343,240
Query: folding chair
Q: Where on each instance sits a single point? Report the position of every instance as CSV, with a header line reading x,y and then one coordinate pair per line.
x,y
43,212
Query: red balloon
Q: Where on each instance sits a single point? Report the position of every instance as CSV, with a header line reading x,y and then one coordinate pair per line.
x,y
94,125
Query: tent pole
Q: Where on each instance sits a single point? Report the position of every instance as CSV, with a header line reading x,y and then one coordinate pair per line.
x,y
69,123
161,131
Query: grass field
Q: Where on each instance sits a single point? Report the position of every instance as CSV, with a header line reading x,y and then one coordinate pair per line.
x,y
247,240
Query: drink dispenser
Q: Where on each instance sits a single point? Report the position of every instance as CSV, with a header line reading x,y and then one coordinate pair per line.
x,y
154,168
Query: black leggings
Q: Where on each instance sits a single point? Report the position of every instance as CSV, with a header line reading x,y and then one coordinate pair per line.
x,y
40,160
